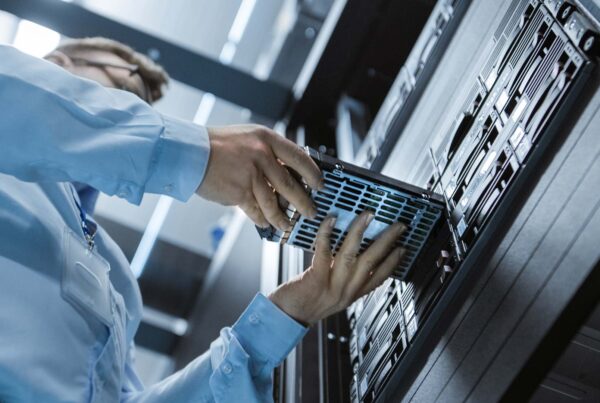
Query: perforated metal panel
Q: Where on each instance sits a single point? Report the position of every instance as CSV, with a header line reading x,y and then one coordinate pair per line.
x,y
350,190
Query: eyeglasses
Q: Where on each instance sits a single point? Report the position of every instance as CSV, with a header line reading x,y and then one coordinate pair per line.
x,y
133,69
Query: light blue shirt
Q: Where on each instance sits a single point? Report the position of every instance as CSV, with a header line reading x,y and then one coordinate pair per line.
x,y
68,315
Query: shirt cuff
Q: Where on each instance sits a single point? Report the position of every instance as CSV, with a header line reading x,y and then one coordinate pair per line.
x,y
266,332
181,159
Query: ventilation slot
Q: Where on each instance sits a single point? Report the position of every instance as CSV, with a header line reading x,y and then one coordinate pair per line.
x,y
347,196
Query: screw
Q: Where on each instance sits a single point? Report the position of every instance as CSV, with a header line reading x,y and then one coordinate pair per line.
x,y
154,54
588,43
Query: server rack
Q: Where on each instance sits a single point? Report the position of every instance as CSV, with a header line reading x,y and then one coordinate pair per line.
x,y
506,128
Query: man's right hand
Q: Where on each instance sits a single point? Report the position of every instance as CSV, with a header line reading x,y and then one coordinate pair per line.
x,y
331,285
246,168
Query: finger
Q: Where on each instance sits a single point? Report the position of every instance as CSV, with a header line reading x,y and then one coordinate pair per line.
x,y
255,214
346,256
269,206
372,257
323,255
288,187
295,156
382,272
351,245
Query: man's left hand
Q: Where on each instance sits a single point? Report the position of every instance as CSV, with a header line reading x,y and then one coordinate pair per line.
x,y
247,166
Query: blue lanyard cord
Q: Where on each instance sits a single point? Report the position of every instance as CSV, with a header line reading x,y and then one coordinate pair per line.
x,y
89,235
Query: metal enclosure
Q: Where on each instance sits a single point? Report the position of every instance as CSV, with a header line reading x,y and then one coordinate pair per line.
x,y
350,190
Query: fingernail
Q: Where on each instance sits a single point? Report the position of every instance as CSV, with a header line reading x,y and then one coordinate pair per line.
x,y
369,218
331,221
313,211
400,227
321,184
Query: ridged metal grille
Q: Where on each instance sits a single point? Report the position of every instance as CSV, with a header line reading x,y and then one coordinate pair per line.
x,y
346,196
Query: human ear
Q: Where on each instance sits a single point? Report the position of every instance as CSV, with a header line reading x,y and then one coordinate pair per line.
x,y
59,58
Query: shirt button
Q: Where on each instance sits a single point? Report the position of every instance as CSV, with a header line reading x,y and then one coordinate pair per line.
x,y
226,368
123,193
253,318
168,188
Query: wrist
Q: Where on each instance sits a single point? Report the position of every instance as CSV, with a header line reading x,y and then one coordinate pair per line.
x,y
293,310
209,168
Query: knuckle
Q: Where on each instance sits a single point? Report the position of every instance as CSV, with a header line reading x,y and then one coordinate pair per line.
x,y
356,231
253,212
347,259
288,181
260,147
254,128
299,155
263,133
368,263
271,205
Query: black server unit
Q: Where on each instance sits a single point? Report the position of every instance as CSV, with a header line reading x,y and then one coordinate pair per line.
x,y
496,112
527,88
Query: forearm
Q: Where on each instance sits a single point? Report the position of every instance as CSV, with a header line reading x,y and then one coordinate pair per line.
x,y
239,363
58,127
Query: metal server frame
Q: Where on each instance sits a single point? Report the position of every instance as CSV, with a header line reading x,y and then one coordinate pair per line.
x,y
542,55
512,114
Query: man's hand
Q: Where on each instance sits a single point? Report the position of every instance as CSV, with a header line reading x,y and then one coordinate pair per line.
x,y
245,169
330,285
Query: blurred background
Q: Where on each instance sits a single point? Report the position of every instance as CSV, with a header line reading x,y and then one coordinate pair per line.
x,y
192,283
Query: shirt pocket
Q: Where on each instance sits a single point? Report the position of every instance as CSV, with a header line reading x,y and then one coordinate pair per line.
x,y
85,284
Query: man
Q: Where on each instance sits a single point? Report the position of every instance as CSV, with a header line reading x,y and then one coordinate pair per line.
x,y
69,305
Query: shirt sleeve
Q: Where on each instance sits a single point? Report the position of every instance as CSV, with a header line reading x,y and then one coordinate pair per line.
x,y
239,363
56,126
